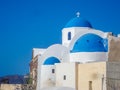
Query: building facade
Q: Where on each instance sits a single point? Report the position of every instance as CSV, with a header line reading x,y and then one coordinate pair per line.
x,y
87,59
36,53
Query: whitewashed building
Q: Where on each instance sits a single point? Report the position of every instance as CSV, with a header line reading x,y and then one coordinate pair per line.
x,y
83,61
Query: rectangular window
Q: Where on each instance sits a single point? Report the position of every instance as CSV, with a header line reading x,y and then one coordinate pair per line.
x,y
53,70
64,77
69,35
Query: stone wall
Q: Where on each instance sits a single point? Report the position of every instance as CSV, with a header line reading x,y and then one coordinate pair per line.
x,y
113,76
33,70
16,87
114,48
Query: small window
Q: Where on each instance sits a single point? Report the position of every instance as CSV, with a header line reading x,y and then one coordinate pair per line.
x,y
69,35
64,77
53,70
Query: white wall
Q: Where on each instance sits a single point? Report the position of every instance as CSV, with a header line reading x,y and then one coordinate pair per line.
x,y
65,40
58,51
88,56
38,51
68,69
47,77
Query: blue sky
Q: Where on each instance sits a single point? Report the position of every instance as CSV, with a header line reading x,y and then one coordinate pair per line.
x,y
27,24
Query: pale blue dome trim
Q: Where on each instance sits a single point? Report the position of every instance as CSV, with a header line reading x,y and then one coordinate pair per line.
x,y
51,61
90,43
78,22
105,42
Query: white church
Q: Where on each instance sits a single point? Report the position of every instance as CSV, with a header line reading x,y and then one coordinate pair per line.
x,y
87,59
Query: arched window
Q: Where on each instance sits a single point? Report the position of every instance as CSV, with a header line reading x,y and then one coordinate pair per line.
x,y
69,35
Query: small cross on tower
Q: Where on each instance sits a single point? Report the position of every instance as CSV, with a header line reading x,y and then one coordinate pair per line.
x,y
78,14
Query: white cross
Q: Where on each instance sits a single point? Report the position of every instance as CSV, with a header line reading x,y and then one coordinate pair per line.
x,y
78,14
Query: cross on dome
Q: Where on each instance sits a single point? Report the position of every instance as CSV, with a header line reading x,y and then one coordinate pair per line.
x,y
78,22
78,14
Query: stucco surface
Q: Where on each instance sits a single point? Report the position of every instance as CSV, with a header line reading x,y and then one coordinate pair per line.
x,y
114,49
58,88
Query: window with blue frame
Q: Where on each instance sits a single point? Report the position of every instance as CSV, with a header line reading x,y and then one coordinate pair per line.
x,y
69,35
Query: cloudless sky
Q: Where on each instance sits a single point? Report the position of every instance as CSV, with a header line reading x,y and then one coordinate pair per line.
x,y
27,24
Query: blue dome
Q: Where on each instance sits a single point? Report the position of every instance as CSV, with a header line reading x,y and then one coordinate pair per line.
x,y
78,22
51,61
89,43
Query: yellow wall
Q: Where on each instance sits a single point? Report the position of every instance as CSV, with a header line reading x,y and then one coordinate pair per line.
x,y
10,86
90,75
